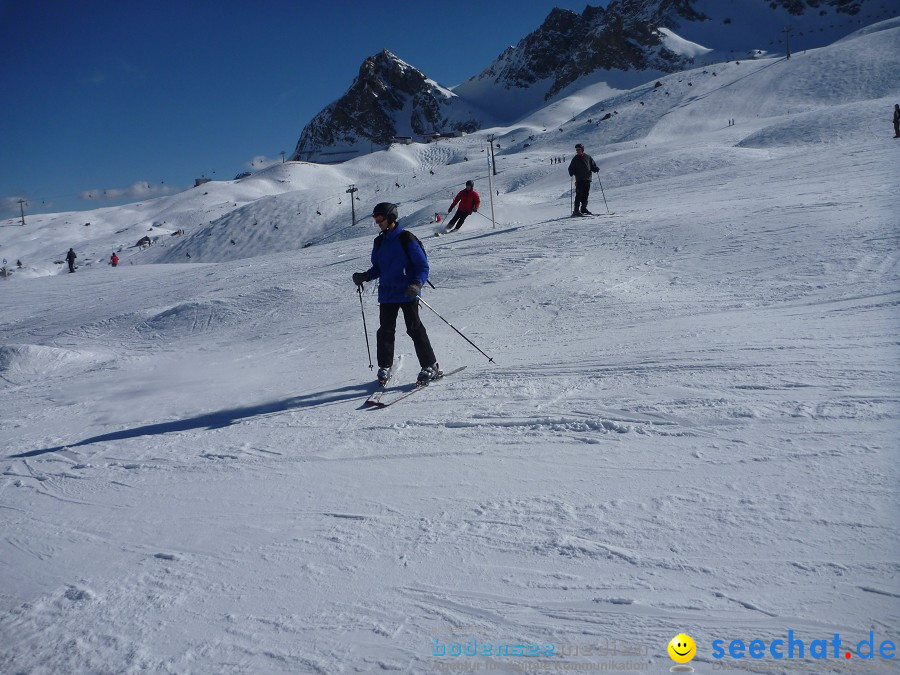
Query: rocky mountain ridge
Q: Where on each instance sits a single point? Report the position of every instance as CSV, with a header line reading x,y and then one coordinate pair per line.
x,y
635,38
388,98
567,46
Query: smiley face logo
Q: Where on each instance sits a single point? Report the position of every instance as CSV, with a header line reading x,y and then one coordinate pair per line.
x,y
682,648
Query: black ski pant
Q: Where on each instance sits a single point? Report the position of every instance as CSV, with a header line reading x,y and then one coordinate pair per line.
x,y
72,265
458,219
582,190
414,328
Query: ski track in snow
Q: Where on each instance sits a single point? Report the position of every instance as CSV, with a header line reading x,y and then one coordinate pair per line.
x,y
690,425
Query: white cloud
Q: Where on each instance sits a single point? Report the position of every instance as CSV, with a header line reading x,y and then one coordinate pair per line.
x,y
139,190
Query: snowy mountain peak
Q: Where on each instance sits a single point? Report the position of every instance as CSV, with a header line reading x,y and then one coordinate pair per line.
x,y
388,98
385,64
567,46
643,38
652,37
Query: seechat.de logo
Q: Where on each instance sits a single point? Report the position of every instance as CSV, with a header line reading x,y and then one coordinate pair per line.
x,y
794,648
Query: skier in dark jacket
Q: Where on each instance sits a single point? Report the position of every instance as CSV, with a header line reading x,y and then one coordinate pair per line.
x,y
70,257
469,201
581,167
400,263
897,120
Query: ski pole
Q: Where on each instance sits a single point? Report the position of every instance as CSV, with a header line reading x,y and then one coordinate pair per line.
x,y
365,330
602,193
484,216
456,329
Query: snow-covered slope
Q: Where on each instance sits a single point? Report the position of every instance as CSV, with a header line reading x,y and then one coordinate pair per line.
x,y
290,205
690,424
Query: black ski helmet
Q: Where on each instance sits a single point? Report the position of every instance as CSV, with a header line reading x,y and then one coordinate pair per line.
x,y
386,209
470,183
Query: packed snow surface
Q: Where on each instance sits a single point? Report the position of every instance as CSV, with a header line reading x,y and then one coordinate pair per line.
x,y
690,424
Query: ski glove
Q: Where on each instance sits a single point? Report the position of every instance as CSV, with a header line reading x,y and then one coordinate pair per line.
x,y
359,278
412,291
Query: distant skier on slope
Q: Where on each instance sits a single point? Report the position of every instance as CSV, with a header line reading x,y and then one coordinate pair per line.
x,y
581,167
113,260
70,258
469,201
399,261
897,120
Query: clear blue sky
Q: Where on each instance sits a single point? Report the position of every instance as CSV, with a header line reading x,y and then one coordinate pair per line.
x,y
101,95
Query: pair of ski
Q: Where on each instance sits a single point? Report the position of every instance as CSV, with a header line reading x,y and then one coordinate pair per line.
x,y
443,233
593,215
377,400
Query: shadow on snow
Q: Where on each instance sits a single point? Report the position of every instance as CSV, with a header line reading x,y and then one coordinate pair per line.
x,y
218,419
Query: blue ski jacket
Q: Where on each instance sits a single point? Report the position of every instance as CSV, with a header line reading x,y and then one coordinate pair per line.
x,y
397,265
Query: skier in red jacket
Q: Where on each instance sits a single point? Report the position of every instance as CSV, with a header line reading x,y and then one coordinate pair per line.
x,y
469,201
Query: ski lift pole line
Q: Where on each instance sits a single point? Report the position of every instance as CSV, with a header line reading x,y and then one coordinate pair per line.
x,y
326,236
491,182
456,329
351,191
449,187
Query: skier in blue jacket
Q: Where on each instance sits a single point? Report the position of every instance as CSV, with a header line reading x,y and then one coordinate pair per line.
x,y
400,264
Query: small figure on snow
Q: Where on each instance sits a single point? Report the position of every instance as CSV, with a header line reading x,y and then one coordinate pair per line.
x,y
113,259
400,263
469,201
70,258
897,120
581,167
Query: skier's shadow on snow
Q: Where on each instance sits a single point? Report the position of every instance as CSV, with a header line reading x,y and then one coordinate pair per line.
x,y
218,419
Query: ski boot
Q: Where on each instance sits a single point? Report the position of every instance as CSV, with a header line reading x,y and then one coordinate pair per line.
x,y
428,374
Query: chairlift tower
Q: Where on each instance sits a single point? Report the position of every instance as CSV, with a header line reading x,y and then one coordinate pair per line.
x,y
787,39
493,163
351,190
